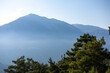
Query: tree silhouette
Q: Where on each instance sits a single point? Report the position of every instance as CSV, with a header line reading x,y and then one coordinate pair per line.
x,y
26,66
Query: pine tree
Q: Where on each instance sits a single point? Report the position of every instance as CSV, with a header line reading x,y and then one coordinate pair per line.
x,y
63,65
26,66
79,45
53,67
19,67
88,52
93,70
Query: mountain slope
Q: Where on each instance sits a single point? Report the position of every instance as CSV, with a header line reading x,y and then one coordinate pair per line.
x,y
97,31
32,24
36,37
86,28
92,29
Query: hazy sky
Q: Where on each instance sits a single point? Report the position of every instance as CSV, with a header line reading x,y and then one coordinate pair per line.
x,y
88,12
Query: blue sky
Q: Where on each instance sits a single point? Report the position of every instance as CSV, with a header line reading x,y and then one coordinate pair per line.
x,y
88,12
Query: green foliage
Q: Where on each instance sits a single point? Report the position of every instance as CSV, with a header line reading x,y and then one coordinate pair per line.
x,y
53,67
88,52
93,70
108,71
23,66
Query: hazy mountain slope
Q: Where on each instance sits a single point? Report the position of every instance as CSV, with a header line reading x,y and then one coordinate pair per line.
x,y
2,67
97,31
32,24
92,30
87,28
36,37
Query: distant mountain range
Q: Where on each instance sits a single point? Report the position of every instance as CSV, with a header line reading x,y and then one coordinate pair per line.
x,y
40,38
97,31
92,29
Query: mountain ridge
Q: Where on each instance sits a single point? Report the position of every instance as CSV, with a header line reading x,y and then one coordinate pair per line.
x,y
35,36
36,23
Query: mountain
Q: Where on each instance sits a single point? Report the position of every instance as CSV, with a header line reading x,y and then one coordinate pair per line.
x,y
37,25
91,29
87,28
94,30
40,38
36,37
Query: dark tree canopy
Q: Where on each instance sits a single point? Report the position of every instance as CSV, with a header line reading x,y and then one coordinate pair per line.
x,y
29,66
88,52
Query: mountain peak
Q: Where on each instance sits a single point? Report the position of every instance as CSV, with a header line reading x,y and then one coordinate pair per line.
x,y
32,14
35,16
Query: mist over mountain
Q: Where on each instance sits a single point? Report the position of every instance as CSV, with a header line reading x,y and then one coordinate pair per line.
x,y
2,67
40,38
